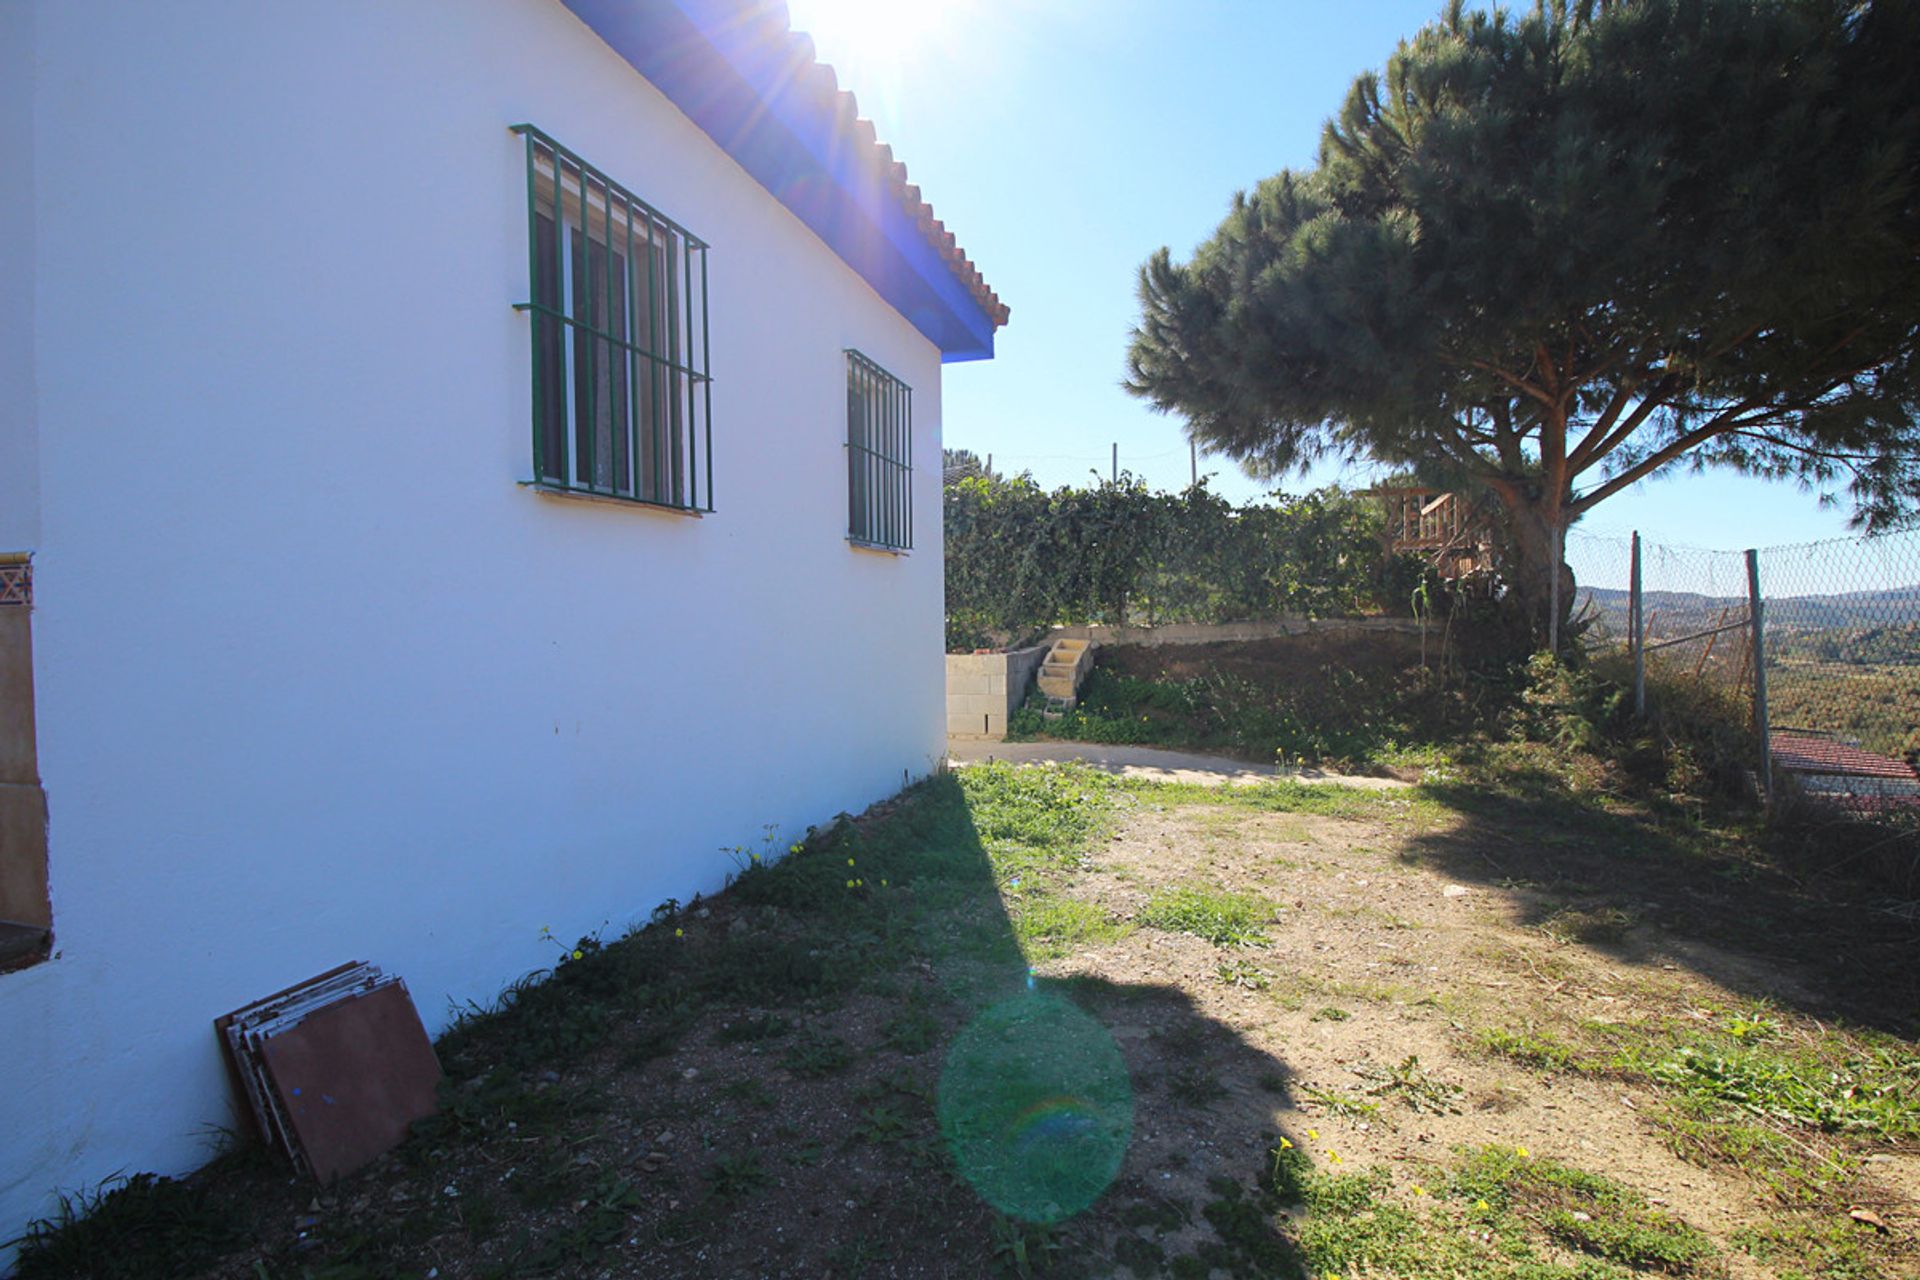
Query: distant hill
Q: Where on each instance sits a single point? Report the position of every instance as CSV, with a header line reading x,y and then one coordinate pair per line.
x,y
1675,613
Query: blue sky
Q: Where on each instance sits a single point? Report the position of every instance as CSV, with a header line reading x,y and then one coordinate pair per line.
x,y
1064,140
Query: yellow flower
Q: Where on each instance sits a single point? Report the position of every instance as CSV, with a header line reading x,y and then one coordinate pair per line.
x,y
756,857
794,849
1285,1145
849,861
1419,1190
578,954
1314,1134
1523,1153
1333,1156
883,882
849,884
1482,1205
679,933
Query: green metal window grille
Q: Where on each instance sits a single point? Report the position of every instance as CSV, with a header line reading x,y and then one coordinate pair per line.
x,y
879,456
622,393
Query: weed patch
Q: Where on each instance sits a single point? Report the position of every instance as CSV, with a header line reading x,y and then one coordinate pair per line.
x,y
1223,917
1874,1092
1582,1210
1053,926
1597,926
1825,1250
1341,1104
814,1055
1037,819
1493,1214
760,1026
144,1226
1243,974
735,1177
1284,795
1295,698
1412,1085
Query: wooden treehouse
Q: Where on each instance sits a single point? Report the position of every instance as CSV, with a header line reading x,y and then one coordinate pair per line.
x,y
1443,528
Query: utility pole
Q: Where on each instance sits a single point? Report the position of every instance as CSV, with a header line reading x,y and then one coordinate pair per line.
x,y
1193,462
1116,462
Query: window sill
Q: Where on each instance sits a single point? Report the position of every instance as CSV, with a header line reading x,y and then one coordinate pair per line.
x,y
610,499
878,549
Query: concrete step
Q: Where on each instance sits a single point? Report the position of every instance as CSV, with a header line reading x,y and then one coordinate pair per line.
x,y
1065,666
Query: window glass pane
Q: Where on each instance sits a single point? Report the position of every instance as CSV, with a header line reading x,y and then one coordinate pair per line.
x,y
677,384
550,349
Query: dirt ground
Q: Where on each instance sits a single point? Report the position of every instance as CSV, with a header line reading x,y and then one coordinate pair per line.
x,y
1373,959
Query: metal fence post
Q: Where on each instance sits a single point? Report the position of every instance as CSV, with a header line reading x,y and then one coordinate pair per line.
x,y
1637,623
1756,617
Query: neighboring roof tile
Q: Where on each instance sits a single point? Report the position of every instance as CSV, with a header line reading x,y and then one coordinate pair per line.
x,y
1803,752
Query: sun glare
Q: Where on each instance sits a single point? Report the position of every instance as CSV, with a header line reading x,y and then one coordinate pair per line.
x,y
871,31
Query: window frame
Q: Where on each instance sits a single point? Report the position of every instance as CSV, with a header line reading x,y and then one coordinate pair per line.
x,y
879,448
26,903
622,403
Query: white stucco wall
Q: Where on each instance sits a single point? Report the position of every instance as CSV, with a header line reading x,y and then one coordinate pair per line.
x,y
19,442
317,680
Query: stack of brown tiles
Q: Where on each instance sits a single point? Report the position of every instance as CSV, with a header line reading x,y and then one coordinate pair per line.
x,y
333,1070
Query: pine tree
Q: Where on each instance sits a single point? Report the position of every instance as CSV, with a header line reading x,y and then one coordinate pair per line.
x,y
1557,254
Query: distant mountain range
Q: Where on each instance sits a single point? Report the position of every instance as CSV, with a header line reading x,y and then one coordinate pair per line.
x,y
1672,612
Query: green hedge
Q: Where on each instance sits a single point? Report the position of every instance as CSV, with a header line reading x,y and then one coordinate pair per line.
x,y
1020,558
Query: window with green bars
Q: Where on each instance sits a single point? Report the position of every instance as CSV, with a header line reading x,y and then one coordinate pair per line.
x,y
622,394
879,457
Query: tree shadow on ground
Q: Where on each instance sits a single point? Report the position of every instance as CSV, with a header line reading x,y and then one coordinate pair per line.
x,y
1647,888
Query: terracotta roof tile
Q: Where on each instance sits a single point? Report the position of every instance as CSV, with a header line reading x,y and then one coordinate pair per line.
x,y
1802,752
893,173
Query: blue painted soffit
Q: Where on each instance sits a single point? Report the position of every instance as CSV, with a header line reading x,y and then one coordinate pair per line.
x,y
737,71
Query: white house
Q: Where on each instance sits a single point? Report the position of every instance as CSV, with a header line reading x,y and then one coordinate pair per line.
x,y
462,465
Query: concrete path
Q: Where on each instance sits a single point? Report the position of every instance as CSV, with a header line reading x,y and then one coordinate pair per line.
x,y
1153,764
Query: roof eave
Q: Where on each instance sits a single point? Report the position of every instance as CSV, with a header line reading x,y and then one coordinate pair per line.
x,y
750,85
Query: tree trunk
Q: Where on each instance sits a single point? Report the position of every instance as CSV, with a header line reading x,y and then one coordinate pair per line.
x,y
1534,550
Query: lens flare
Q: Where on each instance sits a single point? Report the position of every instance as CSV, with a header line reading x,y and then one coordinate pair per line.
x,y
1036,1107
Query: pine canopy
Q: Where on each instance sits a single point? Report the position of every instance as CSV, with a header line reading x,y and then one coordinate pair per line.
x,y
1554,254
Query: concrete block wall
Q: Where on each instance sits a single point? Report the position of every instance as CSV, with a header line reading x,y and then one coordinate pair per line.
x,y
983,689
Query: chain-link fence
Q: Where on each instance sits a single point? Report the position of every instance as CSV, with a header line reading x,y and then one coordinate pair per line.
x,y
1838,685
1843,669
